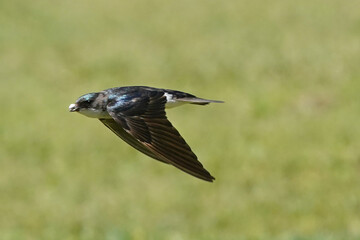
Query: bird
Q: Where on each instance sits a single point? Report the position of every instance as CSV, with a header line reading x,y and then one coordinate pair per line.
x,y
137,115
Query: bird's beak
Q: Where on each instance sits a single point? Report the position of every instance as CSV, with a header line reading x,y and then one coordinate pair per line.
x,y
73,108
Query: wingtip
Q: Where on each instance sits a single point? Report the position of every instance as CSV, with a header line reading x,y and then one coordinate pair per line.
x,y
212,179
206,177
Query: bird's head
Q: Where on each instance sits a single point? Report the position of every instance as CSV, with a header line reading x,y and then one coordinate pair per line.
x,y
89,105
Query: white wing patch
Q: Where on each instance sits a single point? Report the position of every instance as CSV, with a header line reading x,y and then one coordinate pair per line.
x,y
171,101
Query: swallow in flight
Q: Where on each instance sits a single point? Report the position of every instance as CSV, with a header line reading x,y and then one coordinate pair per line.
x,y
137,115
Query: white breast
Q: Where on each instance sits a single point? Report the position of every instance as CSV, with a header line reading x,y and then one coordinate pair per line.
x,y
94,113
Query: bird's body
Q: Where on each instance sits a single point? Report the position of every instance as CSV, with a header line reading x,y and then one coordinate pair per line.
x,y
137,115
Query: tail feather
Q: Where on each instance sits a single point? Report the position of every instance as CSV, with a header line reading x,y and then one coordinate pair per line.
x,y
198,101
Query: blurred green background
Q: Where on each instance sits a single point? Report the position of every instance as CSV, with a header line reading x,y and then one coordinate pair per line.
x,y
284,148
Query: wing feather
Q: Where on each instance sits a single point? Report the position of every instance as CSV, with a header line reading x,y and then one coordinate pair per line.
x,y
147,123
128,138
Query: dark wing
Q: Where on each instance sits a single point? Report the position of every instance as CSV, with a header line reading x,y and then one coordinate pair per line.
x,y
128,138
144,118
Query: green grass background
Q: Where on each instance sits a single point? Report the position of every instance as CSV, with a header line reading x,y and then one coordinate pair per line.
x,y
284,148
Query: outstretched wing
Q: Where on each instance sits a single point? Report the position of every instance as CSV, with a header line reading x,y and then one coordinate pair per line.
x,y
144,118
128,138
